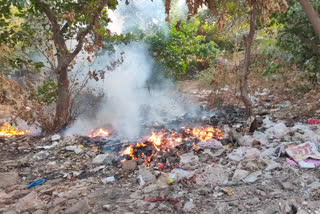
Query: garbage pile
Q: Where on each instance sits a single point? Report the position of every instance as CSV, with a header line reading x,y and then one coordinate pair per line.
x,y
273,170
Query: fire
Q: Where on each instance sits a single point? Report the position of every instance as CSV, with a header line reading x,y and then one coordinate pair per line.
x,y
206,134
8,131
129,151
100,133
162,142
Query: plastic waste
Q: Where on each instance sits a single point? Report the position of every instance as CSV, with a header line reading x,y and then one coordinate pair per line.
x,y
252,177
210,144
244,152
37,183
108,180
304,151
141,181
278,130
179,174
312,121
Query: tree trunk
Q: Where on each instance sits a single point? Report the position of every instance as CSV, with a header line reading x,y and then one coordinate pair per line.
x,y
63,98
312,15
246,71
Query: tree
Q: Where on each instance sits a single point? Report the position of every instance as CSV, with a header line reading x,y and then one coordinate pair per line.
x,y
312,15
299,39
84,21
261,9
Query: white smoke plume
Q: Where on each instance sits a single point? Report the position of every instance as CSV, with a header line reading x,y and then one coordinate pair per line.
x,y
128,98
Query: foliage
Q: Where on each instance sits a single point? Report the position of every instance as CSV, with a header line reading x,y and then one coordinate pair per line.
x,y
33,111
47,92
298,38
182,48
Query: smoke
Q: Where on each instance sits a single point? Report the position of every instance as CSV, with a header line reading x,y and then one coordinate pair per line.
x,y
129,98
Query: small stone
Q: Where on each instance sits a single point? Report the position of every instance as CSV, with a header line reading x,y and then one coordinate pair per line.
x,y
151,206
256,144
188,206
189,159
41,155
146,176
129,165
113,195
150,188
107,207
163,207
99,159
82,207
55,137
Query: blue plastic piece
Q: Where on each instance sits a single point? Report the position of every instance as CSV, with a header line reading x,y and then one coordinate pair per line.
x,y
36,183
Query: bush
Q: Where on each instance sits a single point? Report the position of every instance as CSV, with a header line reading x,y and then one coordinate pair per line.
x,y
182,49
298,38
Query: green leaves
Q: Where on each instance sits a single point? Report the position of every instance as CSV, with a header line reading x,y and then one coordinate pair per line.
x,y
298,38
182,48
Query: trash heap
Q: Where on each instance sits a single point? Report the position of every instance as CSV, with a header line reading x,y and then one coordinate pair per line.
x,y
273,170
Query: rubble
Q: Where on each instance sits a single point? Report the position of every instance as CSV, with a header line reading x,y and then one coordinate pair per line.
x,y
239,175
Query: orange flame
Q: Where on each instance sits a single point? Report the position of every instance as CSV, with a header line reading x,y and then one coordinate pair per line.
x,y
8,131
129,151
100,133
164,141
206,134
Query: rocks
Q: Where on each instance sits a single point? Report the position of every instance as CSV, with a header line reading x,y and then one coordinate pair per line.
x,y
145,176
150,188
8,179
189,206
76,149
99,159
41,155
81,207
55,137
107,207
188,159
29,202
129,165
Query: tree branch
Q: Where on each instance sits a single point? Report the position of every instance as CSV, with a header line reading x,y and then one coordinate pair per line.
x,y
83,34
58,39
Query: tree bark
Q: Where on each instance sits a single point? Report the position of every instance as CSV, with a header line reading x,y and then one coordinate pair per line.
x,y
312,15
65,57
246,70
63,97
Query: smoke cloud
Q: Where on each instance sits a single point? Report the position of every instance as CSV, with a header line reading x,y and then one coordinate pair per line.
x,y
129,100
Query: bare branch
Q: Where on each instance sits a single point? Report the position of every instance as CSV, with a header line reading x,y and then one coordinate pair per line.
x,y
84,33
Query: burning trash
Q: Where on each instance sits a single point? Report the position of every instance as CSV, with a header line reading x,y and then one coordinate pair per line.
x,y
9,131
162,142
99,133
